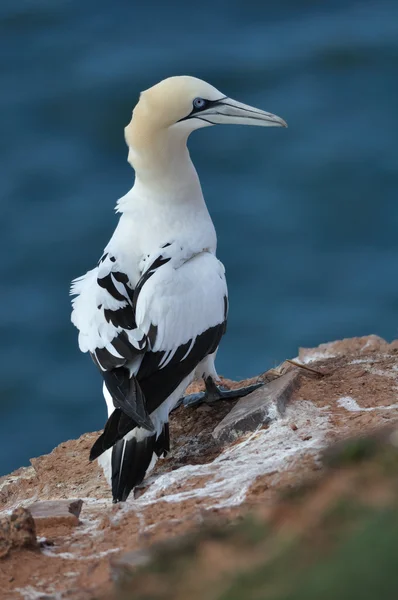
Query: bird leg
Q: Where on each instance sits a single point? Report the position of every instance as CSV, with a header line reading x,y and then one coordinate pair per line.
x,y
214,393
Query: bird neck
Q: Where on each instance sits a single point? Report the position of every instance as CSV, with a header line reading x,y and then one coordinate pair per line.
x,y
163,166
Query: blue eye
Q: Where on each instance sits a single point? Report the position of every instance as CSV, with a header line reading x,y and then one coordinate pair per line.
x,y
199,103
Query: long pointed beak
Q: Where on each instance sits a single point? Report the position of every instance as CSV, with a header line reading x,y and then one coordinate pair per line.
x,y
228,111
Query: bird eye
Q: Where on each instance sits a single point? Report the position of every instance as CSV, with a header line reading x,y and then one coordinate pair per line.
x,y
199,103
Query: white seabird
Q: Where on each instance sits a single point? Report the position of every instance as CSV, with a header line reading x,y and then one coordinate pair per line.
x,y
152,312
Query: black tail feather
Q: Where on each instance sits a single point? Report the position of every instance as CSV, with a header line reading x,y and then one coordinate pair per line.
x,y
116,427
130,461
127,395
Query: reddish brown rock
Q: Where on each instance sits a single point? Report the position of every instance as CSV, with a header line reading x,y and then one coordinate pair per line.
x,y
203,477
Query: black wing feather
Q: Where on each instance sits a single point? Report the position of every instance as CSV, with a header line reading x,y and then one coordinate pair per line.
x,y
158,383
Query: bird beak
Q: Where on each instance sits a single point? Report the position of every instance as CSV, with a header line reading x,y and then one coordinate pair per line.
x,y
228,111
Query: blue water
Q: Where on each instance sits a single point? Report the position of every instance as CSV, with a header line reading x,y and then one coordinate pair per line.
x,y
307,217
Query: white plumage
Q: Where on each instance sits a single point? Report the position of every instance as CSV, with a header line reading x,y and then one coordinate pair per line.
x,y
152,312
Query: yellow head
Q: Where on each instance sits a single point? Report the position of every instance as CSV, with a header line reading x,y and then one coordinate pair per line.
x,y
182,104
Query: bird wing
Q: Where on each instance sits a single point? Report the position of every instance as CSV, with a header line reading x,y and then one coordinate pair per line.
x,y
185,302
103,311
104,314
146,340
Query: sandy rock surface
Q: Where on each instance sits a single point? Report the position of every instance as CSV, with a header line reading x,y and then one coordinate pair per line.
x,y
350,390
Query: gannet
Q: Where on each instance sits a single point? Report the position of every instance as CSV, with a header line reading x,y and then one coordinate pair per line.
x,y
152,312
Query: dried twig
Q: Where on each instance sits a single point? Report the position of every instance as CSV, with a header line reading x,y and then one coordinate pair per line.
x,y
300,366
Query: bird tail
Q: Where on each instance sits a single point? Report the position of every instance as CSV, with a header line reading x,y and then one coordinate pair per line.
x,y
133,456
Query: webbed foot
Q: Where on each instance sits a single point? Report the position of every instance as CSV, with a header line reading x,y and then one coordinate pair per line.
x,y
214,393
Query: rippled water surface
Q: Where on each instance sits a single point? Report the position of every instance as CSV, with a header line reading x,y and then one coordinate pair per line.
x,y
307,217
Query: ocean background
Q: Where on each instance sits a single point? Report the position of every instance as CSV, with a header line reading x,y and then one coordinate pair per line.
x,y
307,218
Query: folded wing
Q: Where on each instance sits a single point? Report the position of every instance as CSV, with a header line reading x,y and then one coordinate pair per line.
x,y
147,339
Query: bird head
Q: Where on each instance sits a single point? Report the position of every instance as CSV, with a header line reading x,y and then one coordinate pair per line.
x,y
183,104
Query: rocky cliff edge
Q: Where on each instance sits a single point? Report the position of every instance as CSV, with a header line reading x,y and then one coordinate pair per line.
x,y
226,460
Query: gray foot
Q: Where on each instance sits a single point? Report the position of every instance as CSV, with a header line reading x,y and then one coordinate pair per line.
x,y
214,393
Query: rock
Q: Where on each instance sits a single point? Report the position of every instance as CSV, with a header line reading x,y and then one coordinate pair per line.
x,y
354,395
359,346
55,518
22,529
17,531
56,512
122,565
5,537
333,538
258,408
